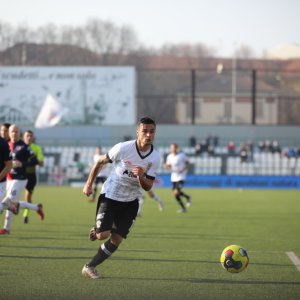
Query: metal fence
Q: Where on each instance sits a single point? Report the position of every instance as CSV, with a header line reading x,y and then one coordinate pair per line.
x,y
236,96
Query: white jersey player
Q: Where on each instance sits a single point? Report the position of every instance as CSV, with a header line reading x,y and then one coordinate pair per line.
x,y
135,164
101,176
177,162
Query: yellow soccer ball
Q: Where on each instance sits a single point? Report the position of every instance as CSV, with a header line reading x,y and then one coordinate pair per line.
x,y
234,259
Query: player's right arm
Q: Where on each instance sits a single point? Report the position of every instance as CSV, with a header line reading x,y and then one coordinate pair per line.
x,y
167,165
97,167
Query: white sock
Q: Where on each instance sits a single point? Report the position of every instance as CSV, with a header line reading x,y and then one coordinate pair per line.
x,y
157,199
8,219
140,206
32,206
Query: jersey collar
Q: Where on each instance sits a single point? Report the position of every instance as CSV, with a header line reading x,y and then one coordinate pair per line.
x,y
140,154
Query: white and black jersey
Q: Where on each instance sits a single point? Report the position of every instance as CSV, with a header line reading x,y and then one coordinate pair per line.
x,y
178,163
104,172
121,184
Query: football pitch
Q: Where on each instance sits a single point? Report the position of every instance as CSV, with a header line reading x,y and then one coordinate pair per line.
x,y
166,256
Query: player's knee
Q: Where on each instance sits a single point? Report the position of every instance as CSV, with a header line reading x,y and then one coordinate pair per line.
x,y
116,239
103,235
175,192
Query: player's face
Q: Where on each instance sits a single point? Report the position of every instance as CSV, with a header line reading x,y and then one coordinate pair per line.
x,y
145,134
28,138
4,133
14,134
173,148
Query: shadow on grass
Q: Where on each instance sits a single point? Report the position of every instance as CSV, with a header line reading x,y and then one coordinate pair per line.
x,y
207,281
226,281
151,260
70,235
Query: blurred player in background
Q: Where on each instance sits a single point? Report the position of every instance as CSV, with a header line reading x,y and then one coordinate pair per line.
x,y
153,196
22,157
5,167
28,138
4,131
101,176
177,162
135,164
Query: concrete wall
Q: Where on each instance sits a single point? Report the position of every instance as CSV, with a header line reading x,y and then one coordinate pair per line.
x,y
166,134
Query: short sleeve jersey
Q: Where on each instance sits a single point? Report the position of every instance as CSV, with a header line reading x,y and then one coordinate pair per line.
x,y
4,155
105,170
22,152
121,184
178,164
37,150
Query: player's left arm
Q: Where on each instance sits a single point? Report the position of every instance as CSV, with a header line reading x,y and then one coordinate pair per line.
x,y
29,159
146,177
145,181
186,166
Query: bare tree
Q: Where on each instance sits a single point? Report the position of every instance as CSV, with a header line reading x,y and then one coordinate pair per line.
x,y
128,40
244,51
6,35
24,34
47,34
103,37
198,50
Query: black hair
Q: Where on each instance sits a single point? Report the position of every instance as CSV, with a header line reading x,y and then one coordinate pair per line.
x,y
6,125
146,120
28,131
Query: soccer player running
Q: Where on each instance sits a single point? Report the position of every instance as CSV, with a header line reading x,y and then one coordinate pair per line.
x,y
5,167
177,162
28,138
101,176
155,197
134,169
17,178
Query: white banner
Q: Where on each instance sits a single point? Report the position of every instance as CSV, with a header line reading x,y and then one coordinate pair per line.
x,y
93,95
51,113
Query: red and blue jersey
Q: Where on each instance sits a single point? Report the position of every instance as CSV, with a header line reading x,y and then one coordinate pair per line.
x,y
23,153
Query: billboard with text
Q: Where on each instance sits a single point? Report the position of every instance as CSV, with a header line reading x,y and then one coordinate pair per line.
x,y
91,95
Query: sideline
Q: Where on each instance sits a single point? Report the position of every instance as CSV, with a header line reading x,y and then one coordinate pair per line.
x,y
294,258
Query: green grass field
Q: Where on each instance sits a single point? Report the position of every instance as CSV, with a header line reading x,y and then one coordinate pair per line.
x,y
166,256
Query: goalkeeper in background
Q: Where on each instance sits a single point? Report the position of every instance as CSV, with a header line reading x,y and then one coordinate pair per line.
x,y
28,138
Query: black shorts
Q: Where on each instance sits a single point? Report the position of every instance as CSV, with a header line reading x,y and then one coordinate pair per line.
x,y
100,179
116,216
31,183
177,185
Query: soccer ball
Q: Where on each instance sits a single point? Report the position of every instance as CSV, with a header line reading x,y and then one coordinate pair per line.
x,y
234,259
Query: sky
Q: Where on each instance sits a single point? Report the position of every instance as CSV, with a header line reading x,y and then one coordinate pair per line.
x,y
222,24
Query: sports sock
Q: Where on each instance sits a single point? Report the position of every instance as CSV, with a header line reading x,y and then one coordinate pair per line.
x,y
184,195
25,212
104,252
24,204
94,192
157,199
8,219
180,201
141,201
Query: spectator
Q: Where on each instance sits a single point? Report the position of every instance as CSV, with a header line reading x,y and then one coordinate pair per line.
x,y
275,147
243,153
231,148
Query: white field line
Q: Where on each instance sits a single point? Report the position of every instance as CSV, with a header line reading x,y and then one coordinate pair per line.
x,y
294,258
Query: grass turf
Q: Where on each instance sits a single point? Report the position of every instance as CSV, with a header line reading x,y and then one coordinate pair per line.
x,y
166,256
